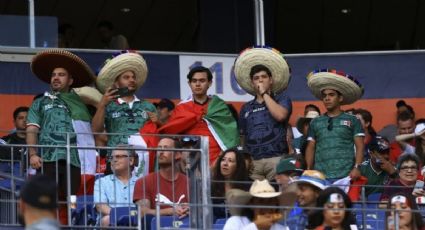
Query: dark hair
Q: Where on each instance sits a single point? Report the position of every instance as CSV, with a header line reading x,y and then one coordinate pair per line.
x,y
258,68
106,24
177,142
313,107
404,116
367,117
416,215
400,103
64,27
408,157
316,218
19,110
240,174
199,69
411,110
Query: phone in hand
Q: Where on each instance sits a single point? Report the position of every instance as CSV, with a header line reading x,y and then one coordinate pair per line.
x,y
121,92
419,185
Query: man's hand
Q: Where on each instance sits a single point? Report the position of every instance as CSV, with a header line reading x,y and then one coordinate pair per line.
x,y
264,221
355,174
182,211
35,161
387,166
261,88
108,97
153,117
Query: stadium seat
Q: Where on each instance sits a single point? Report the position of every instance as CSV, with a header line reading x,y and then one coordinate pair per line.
x,y
374,197
85,213
123,216
170,221
220,221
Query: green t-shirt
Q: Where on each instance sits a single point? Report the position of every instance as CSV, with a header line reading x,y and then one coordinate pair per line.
x,y
373,178
334,154
53,118
120,119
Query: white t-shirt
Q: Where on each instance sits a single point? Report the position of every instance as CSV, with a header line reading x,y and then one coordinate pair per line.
x,y
242,222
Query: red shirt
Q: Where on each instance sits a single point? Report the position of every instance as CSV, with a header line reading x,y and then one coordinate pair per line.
x,y
165,189
396,151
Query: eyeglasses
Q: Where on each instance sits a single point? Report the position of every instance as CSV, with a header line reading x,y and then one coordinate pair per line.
x,y
406,168
117,157
330,124
130,115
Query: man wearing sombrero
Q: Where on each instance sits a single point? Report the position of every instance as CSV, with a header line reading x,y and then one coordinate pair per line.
x,y
121,112
263,121
333,136
56,113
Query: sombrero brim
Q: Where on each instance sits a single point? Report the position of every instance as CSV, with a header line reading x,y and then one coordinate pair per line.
x,y
43,64
89,95
267,194
268,57
350,90
237,197
124,62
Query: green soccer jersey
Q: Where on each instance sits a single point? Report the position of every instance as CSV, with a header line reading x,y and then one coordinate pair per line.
x,y
373,178
334,136
123,121
53,117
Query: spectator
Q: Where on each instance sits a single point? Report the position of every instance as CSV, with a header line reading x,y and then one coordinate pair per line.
x,y
303,124
56,113
408,167
229,172
336,212
109,39
203,115
333,136
419,135
120,111
164,108
287,171
365,118
390,131
408,213
38,203
310,184
405,125
173,186
18,154
263,194
116,190
307,108
66,36
263,121
378,169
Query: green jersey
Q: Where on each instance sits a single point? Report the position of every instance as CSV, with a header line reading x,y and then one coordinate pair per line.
x,y
378,178
123,121
334,136
53,117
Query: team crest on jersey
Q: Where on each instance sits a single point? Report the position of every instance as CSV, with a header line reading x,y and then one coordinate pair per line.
x,y
346,123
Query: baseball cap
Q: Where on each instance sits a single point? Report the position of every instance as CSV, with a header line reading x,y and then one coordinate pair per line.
x,y
379,144
289,165
40,191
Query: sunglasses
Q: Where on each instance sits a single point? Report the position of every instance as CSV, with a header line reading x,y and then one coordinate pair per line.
x,y
330,124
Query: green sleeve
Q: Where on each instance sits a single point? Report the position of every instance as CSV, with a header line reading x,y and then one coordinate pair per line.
x,y
34,113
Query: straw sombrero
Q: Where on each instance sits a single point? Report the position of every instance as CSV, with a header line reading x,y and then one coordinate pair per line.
x,y
44,62
269,57
89,95
128,61
347,85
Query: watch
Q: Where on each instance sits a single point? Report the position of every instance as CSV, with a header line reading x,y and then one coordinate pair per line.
x,y
356,166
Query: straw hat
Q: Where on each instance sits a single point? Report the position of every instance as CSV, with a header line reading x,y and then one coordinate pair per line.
x,y
347,85
269,57
308,117
313,177
119,64
89,95
44,62
263,189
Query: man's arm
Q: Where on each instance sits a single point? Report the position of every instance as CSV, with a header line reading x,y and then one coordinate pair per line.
x,y
359,143
32,139
309,154
145,208
98,121
103,209
278,112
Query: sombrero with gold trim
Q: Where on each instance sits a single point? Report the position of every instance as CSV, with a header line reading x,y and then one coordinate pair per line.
x,y
124,61
347,85
89,95
267,56
44,62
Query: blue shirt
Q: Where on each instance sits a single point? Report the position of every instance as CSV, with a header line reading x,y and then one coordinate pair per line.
x,y
264,136
297,219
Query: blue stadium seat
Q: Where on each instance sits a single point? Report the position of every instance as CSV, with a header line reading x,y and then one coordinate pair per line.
x,y
123,216
374,197
85,213
221,221
170,221
218,226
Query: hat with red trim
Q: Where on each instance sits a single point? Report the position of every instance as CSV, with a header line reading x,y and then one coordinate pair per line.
x,y
267,56
347,85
